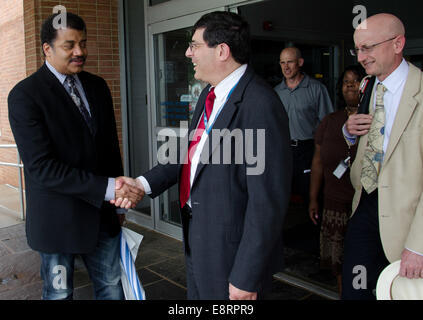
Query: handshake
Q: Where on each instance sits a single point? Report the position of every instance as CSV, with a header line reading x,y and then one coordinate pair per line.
x,y
128,192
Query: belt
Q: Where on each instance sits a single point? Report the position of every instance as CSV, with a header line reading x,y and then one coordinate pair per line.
x,y
297,143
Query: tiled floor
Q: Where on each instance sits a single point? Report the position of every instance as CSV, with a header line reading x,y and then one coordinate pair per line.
x,y
160,266
9,206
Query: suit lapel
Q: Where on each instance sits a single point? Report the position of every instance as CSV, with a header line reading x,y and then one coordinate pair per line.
x,y
57,88
62,97
405,109
223,121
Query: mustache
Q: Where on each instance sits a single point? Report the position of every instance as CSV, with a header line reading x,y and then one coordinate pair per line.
x,y
78,59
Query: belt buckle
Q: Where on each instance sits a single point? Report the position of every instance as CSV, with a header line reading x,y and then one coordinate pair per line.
x,y
294,143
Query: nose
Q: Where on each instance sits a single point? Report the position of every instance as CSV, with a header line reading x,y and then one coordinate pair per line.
x,y
188,52
361,56
77,50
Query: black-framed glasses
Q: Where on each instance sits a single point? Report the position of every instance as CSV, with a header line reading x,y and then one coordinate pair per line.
x,y
367,49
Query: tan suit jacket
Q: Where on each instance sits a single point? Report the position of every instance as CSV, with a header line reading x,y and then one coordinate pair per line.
x,y
400,185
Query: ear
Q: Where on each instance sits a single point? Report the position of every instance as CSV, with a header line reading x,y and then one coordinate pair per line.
x,y
300,62
47,49
224,52
399,44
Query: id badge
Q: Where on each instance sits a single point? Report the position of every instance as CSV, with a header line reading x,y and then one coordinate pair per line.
x,y
341,168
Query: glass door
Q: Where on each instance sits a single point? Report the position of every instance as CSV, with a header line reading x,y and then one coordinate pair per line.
x,y
173,91
173,97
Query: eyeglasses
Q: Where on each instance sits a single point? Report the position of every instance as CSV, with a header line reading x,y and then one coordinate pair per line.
x,y
367,49
194,45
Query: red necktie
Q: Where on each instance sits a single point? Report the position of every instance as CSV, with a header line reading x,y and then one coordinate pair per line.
x,y
185,185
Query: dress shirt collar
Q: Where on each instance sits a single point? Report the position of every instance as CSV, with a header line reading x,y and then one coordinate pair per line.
x,y
224,86
394,81
60,76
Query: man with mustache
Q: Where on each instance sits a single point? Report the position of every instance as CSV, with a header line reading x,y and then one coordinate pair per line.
x,y
63,122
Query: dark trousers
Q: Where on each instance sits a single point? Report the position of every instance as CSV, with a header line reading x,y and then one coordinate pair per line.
x,y
212,289
302,152
364,258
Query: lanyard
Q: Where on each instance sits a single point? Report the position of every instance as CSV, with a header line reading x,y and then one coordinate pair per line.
x,y
208,129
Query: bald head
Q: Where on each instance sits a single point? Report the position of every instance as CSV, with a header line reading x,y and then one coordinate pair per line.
x,y
386,25
380,41
292,51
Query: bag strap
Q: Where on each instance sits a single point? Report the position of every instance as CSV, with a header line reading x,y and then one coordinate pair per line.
x,y
365,94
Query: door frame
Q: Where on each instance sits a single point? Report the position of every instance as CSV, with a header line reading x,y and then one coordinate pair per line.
x,y
165,17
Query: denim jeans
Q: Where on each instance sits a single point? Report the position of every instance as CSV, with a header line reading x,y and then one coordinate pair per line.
x,y
102,265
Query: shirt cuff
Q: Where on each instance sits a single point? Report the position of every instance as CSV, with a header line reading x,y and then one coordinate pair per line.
x,y
145,184
110,191
110,195
420,254
349,139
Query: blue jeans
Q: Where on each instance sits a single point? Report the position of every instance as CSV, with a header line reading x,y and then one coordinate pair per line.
x,y
103,268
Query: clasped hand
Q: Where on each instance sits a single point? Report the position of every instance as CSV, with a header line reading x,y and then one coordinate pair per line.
x,y
359,124
128,192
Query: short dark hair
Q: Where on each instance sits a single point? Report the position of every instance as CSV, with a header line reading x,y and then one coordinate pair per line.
x,y
49,32
226,27
359,71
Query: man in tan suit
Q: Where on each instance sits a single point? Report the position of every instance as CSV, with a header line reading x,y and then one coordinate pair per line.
x,y
387,220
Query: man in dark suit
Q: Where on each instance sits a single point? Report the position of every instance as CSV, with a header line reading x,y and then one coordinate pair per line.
x,y
232,209
63,122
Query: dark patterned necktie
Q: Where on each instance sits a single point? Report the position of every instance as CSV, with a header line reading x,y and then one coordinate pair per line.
x,y
185,184
76,97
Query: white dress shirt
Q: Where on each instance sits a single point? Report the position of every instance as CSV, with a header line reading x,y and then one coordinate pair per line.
x,y
394,84
221,91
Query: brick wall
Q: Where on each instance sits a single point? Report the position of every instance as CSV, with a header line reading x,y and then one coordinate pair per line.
x,y
101,17
12,69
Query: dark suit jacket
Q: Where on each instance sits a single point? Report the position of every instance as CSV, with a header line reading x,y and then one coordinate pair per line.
x,y
236,233
66,168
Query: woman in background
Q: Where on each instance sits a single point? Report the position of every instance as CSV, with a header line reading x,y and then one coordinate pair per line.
x,y
330,150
